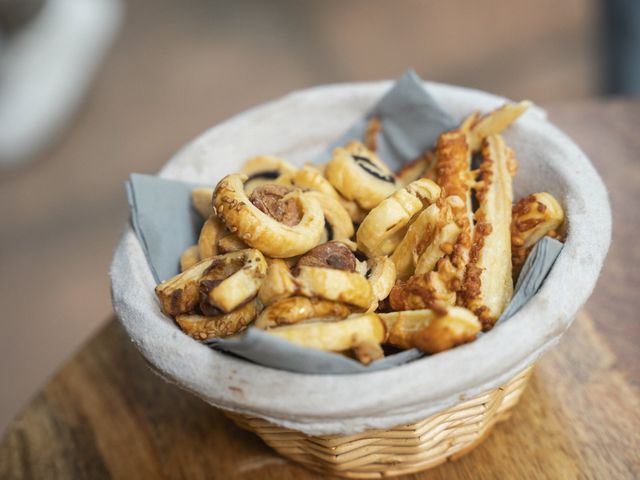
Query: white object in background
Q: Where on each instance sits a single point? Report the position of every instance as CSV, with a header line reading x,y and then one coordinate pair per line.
x,y
46,69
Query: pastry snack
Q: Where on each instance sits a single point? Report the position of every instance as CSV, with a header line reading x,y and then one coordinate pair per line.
x,y
354,259
533,217
358,174
487,284
281,223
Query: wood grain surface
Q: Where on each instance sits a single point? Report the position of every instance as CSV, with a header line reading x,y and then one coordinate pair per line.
x,y
106,415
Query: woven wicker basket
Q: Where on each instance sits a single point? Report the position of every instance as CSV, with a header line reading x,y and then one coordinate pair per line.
x,y
442,437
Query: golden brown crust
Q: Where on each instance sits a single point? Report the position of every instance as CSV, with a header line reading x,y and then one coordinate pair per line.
x,y
384,227
297,309
231,243
438,288
429,330
180,294
487,286
495,122
338,222
381,274
278,283
233,279
336,285
264,169
258,229
533,217
446,332
358,174
202,327
422,291
340,336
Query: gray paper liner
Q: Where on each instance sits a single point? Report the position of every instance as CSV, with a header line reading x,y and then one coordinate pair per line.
x,y
411,123
166,224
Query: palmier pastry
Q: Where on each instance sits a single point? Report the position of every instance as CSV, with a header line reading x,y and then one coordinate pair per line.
x,y
259,229
337,222
381,273
383,228
358,331
487,284
297,309
264,169
203,327
358,174
534,217
308,178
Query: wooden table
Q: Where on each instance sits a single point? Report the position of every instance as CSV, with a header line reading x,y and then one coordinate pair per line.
x,y
106,415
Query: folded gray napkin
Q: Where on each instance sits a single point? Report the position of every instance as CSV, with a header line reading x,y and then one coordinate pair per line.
x,y
166,224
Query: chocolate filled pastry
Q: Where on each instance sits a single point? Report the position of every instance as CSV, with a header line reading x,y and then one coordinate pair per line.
x,y
264,169
384,227
329,255
259,229
381,273
358,174
338,224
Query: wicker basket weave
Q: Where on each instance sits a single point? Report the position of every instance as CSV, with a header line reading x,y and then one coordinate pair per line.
x,y
444,436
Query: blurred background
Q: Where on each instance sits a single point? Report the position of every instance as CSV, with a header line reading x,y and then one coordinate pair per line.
x,y
91,90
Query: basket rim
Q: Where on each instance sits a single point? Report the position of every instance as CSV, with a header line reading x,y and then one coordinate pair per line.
x,y
345,403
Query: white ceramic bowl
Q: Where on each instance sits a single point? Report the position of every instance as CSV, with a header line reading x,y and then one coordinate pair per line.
x,y
297,127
